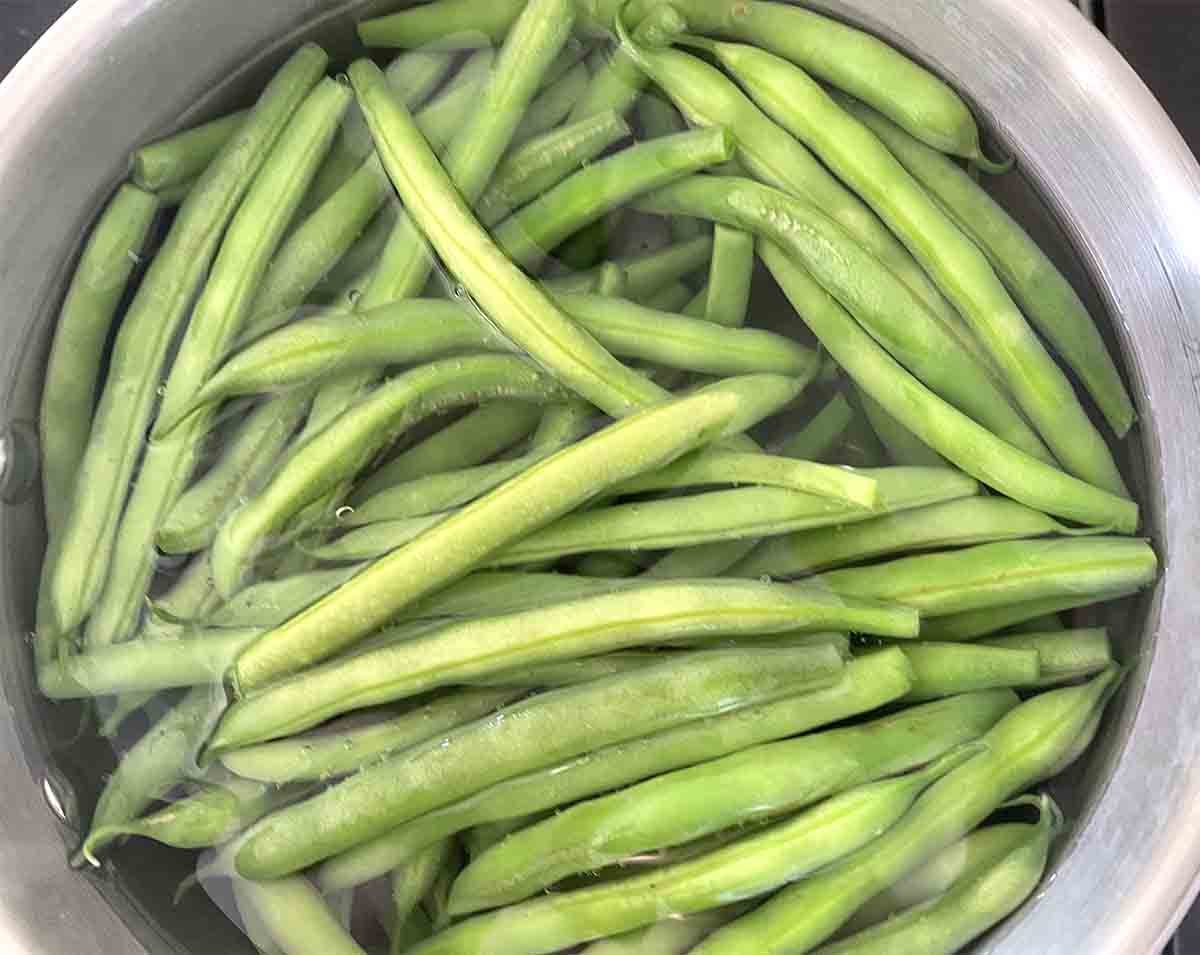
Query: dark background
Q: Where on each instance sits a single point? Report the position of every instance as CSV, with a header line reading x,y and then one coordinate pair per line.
x,y
1161,38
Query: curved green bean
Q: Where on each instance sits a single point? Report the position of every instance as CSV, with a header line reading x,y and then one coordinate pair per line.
x,y
340,451
163,300
865,684
947,669
1064,655
687,804
814,441
548,490
1007,572
180,158
975,520
529,735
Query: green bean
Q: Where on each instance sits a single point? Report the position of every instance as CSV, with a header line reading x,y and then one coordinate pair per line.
x,y
146,664
1065,655
659,117
671,298
709,98
338,452
511,300
246,461
182,157
969,907
295,917
901,324
587,248
462,651
414,930
975,520
245,251
525,736
123,707
1043,624
981,623
730,274
374,540
545,161
1044,294
348,274
570,672
552,105
866,683
270,602
473,439
903,447
646,274
492,592
436,899
413,880
165,295
149,769
957,264
451,24
550,489
580,199
687,804
698,304
947,669
608,564
1021,749
952,434
814,441
1006,572
671,936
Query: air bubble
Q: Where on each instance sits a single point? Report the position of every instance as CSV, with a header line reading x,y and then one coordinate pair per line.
x,y
353,296
344,512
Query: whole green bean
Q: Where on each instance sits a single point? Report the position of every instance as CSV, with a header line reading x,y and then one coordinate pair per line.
x,y
814,441
1021,749
245,463
341,450
525,736
473,439
956,263
1065,655
553,105
554,487
163,299
947,669
707,97
866,684
975,520
991,575
968,908
903,447
890,314
1041,290
335,751
459,652
687,804
151,767
180,158
295,917
545,161
980,623
949,432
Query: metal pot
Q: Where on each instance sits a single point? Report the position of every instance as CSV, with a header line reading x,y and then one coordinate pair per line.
x,y
1093,147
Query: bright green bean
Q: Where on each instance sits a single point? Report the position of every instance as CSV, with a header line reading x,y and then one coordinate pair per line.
x,y
552,106
903,447
545,161
374,540
1044,294
814,441
270,602
947,669
1021,750
968,908
975,520
180,158
120,710
866,683
756,783
730,274
952,434
341,450
980,623
1043,624
956,263
464,650
530,735
645,274
554,487
1065,655
579,200
1007,572
164,298
450,24
473,439
436,899
294,917
608,564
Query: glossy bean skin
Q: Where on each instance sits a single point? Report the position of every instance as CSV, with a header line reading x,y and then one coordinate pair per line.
x,y
866,683
744,869
975,520
817,438
180,158
960,268
461,651
336,752
166,293
1023,748
339,451
517,740
894,318
972,624
947,669
1064,655
756,783
990,575
294,916
553,105
969,907
1042,291
557,485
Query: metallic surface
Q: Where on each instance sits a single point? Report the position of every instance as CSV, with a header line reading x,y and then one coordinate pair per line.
x,y
1090,141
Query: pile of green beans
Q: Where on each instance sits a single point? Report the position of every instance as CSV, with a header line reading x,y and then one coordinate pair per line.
x,y
541,574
